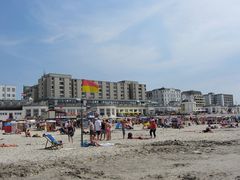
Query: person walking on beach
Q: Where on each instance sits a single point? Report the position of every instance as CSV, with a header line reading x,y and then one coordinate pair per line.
x,y
98,125
153,127
70,131
123,127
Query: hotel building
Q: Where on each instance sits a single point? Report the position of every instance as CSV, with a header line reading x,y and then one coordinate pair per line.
x,y
165,96
64,86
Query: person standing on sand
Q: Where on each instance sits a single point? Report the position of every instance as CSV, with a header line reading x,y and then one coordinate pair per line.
x,y
153,127
91,129
103,131
98,125
108,130
70,131
123,127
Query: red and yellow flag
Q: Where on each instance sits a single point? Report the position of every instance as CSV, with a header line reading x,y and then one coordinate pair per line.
x,y
89,86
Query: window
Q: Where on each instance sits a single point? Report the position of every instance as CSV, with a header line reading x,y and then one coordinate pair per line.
x,y
8,95
8,89
35,112
13,89
28,112
102,112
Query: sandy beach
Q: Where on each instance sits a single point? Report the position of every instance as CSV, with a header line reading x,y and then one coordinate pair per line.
x,y
175,154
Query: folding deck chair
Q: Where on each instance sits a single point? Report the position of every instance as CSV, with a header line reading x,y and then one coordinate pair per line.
x,y
54,143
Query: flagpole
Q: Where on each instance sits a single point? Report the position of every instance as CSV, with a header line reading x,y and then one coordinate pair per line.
x,y
87,88
82,122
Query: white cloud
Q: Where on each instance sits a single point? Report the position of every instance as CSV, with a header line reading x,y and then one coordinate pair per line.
x,y
100,27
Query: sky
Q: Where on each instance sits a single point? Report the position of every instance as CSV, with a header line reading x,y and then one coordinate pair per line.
x,y
183,44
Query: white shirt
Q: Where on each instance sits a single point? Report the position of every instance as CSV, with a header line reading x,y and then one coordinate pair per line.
x,y
98,125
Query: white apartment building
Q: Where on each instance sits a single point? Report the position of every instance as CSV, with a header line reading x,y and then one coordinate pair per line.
x,y
7,92
218,99
165,96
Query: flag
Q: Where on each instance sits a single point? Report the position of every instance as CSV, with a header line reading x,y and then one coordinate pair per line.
x,y
89,86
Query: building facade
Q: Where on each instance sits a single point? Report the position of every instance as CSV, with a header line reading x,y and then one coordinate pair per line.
x,y
64,86
7,92
30,92
219,99
165,96
194,96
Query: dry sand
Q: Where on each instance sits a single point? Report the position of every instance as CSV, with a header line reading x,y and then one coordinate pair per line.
x,y
174,154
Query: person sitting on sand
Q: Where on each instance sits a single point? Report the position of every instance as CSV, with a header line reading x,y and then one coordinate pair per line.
x,y
130,136
207,130
27,133
94,141
36,135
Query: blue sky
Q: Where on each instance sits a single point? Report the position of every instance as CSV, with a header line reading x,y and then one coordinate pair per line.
x,y
185,44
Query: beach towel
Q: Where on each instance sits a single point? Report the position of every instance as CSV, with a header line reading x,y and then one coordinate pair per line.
x,y
107,144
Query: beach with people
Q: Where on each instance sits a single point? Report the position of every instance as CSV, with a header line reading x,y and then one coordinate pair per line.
x,y
175,153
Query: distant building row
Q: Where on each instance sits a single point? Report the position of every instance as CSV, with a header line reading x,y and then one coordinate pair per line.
x,y
62,86
174,97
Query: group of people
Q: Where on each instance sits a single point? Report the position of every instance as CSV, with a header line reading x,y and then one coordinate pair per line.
x,y
100,129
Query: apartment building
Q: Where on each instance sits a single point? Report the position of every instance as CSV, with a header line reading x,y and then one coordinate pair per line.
x,y
219,99
7,92
55,85
64,86
30,92
165,96
193,96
